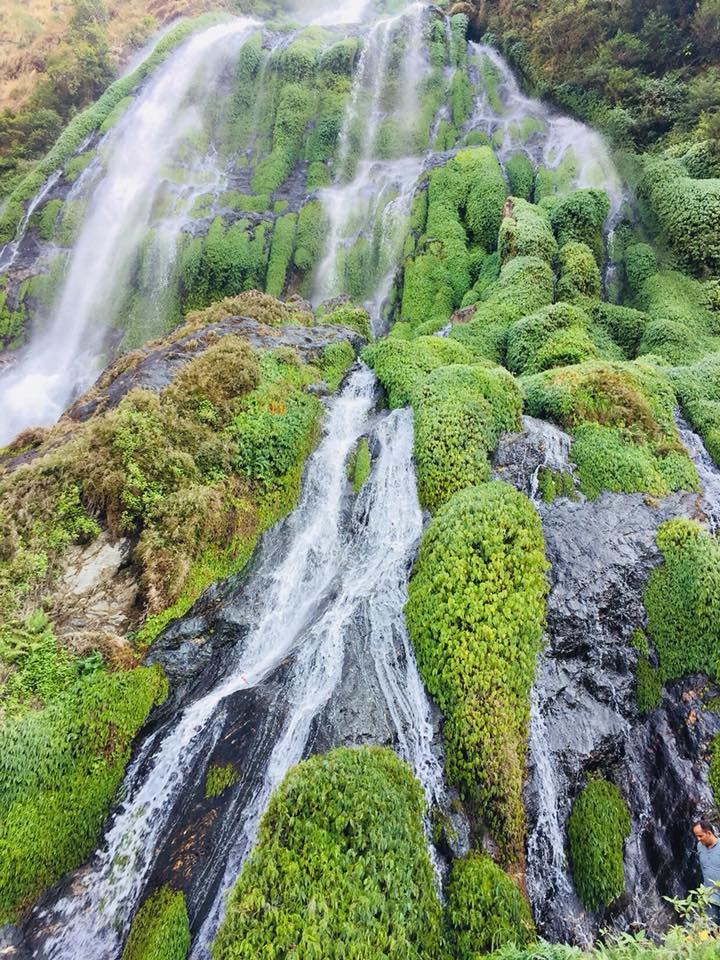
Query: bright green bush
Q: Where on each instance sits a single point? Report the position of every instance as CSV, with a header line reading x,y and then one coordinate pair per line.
x,y
682,600
224,263
354,318
640,263
520,174
621,416
555,336
309,240
648,686
160,929
460,412
579,275
597,828
683,329
59,771
401,365
625,325
485,909
340,869
555,483
688,211
281,251
698,390
526,233
358,468
475,615
580,217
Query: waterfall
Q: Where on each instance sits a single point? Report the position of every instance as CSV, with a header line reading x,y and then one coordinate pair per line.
x,y
707,471
64,357
327,582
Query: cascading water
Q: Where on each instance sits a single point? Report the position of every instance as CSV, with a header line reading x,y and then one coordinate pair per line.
x,y
63,358
331,584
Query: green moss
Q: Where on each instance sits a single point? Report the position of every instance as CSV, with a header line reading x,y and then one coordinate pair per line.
x,y
698,390
354,318
520,174
219,778
281,251
682,600
640,262
309,241
555,336
485,909
340,869
401,365
223,264
294,112
526,233
475,615
579,275
648,686
621,416
597,828
48,218
460,412
553,484
580,217
75,166
358,468
60,769
160,929
683,328
625,325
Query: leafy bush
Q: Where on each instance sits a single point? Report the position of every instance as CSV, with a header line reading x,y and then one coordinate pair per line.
x,y
401,365
340,868
460,412
625,325
475,615
526,232
485,909
160,929
59,772
621,416
640,263
553,337
520,174
579,275
358,467
580,217
597,827
553,484
683,328
682,600
281,251
219,778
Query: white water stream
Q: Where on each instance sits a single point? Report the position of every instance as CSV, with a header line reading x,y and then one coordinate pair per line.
x,y
63,358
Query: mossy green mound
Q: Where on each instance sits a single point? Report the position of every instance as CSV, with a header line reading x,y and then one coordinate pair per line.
x,y
60,769
485,909
555,336
401,365
475,615
526,232
698,390
340,869
621,416
597,827
160,929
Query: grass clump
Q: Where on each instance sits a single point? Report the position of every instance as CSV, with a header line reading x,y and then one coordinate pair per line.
x,y
402,364
553,484
526,232
475,615
219,778
597,828
460,412
485,909
359,463
621,417
340,869
60,769
648,686
579,275
682,600
579,217
160,929
555,336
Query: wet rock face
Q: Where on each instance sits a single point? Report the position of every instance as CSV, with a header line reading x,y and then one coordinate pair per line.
x,y
585,717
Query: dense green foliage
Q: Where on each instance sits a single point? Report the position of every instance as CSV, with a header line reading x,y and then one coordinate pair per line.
x,y
597,827
340,868
485,909
358,467
401,365
682,600
475,615
160,929
59,772
219,778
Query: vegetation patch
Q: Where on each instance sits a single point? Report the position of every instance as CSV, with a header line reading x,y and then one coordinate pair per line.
x,y
359,463
475,615
597,828
340,868
160,929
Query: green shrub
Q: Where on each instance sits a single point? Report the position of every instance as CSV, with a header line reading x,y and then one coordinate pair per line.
x,y
219,778
354,318
683,329
621,416
625,325
579,275
460,412
640,263
648,686
475,615
340,869
358,468
597,828
485,909
59,771
520,174
555,483
580,217
688,211
401,365
281,251
309,240
526,233
555,336
160,929
682,600
224,263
